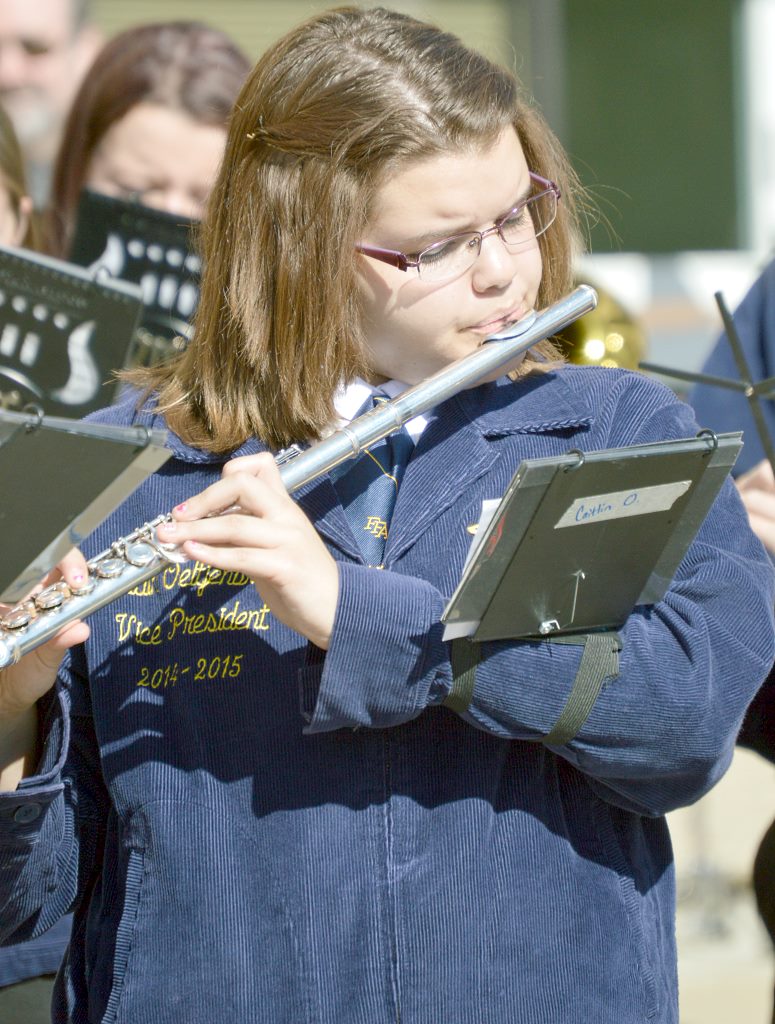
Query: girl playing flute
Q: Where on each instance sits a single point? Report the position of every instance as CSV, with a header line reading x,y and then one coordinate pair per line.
x,y
264,797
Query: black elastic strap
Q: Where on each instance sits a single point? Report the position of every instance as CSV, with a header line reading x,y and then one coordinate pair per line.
x,y
465,655
599,661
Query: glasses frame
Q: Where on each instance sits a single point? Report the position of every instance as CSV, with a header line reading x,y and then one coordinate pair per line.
x,y
403,261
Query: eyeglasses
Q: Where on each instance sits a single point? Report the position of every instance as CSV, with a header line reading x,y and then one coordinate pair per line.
x,y
450,257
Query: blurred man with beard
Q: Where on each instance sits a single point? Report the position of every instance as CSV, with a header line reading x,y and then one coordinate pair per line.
x,y
46,47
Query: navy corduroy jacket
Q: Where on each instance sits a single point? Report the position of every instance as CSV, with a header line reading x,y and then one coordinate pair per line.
x,y
252,830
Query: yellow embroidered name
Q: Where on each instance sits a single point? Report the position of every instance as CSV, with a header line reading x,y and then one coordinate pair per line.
x,y
196,577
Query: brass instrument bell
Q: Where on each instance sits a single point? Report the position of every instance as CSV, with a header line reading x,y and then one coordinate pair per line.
x,y
607,336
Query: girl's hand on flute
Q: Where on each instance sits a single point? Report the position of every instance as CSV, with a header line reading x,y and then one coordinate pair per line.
x,y
21,685
265,535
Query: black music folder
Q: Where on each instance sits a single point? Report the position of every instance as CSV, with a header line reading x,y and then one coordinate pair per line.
x,y
580,539
63,332
147,247
60,479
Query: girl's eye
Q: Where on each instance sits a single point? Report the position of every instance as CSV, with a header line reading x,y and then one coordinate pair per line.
x,y
450,247
437,254
516,218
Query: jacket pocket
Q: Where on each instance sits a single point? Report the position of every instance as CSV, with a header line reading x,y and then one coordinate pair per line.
x,y
135,873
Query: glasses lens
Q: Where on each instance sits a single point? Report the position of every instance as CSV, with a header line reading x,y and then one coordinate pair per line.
x,y
448,258
529,221
453,256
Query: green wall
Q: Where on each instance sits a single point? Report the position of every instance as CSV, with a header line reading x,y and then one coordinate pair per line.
x,y
650,120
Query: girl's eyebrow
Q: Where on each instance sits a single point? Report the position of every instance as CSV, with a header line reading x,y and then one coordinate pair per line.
x,y
420,242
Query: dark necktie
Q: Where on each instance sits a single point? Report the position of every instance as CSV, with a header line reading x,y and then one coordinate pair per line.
x,y
367,487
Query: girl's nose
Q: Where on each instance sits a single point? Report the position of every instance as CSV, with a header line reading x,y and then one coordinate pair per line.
x,y
495,266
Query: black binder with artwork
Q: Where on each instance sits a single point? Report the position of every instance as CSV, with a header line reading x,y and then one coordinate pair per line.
x,y
150,248
63,332
61,478
579,540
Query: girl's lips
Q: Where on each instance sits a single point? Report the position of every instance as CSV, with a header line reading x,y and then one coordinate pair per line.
x,y
498,323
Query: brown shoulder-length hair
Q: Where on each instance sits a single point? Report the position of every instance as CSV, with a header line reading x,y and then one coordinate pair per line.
x,y
325,116
182,65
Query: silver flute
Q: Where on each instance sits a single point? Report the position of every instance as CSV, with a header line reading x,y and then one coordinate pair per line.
x,y
140,555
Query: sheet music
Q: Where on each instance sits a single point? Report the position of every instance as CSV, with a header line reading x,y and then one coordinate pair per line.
x,y
150,248
62,333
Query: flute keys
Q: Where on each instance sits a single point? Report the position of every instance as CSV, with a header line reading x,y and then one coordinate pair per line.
x,y
18,617
110,568
52,597
85,588
140,554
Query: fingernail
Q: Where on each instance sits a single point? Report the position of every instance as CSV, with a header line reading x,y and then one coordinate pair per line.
x,y
169,527
181,507
78,577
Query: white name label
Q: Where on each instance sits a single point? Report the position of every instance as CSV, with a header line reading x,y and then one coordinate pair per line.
x,y
620,504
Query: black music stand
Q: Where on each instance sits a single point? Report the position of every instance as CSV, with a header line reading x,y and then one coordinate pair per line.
x,y
753,391
63,332
152,249
60,479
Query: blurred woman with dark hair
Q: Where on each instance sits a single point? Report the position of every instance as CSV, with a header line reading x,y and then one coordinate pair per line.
x,y
149,122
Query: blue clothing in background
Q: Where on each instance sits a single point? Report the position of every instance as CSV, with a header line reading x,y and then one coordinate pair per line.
x,y
253,829
721,410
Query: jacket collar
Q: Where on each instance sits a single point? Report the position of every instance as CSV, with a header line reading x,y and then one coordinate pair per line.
x,y
535,404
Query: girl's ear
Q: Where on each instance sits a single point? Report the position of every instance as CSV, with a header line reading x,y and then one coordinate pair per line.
x,y
23,220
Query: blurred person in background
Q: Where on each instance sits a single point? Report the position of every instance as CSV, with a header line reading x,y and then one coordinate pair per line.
x,y
148,123
46,47
723,410
26,969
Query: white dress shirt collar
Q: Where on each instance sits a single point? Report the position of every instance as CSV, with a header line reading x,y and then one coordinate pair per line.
x,y
349,400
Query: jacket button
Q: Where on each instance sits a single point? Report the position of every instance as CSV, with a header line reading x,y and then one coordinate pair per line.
x,y
27,813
